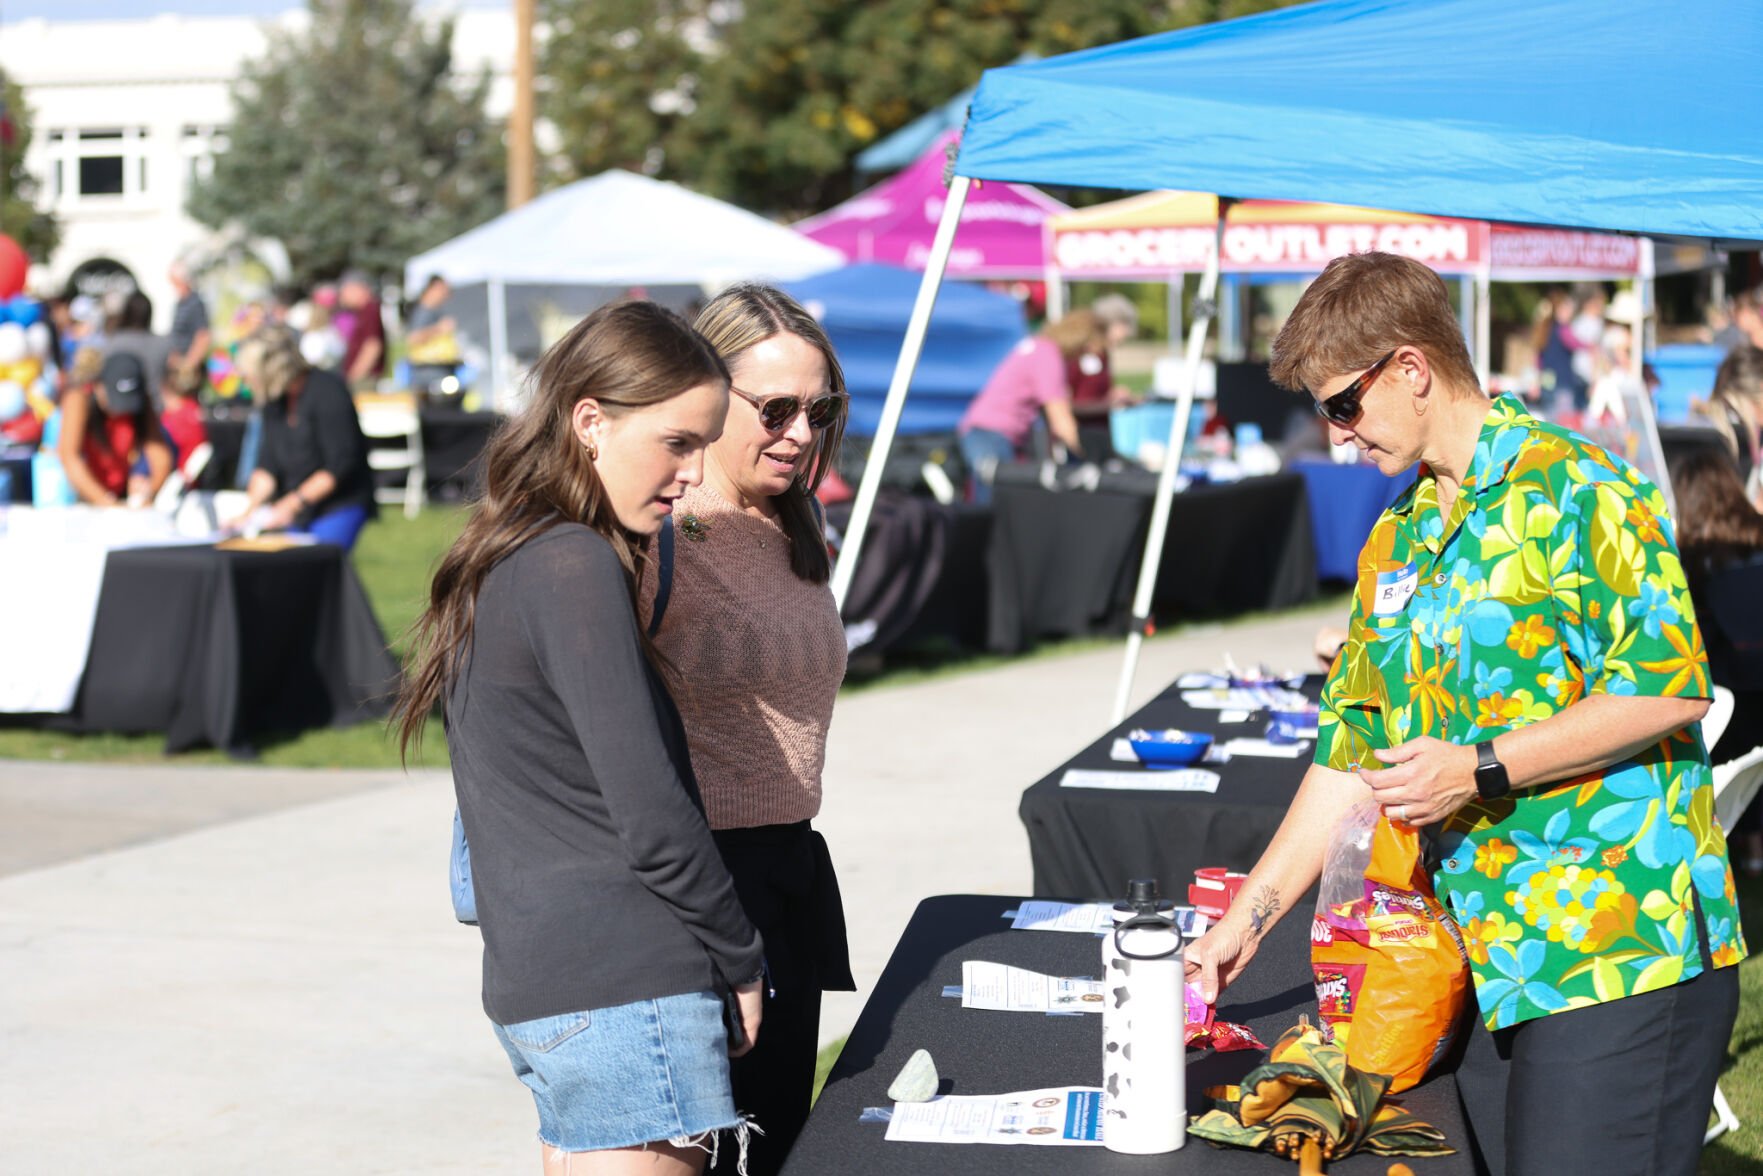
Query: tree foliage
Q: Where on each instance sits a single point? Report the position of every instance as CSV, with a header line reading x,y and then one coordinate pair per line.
x,y
34,228
355,143
766,103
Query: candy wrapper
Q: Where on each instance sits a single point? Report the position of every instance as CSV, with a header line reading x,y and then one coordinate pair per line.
x,y
1206,1033
1390,969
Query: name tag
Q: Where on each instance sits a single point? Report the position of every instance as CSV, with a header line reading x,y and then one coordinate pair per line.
x,y
1394,590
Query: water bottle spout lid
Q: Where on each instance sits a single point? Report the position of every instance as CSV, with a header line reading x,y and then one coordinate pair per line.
x,y
1142,894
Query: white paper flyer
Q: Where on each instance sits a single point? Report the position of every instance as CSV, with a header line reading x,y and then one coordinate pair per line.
x,y
1070,1116
1090,918
1002,988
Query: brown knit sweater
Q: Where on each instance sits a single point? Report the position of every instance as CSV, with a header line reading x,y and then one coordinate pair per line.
x,y
757,656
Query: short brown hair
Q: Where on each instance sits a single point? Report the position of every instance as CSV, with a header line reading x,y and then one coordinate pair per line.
x,y
1359,309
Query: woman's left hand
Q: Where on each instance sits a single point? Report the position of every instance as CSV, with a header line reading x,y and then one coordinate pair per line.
x,y
1427,780
282,514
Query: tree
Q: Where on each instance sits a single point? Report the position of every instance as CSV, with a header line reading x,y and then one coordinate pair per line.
x,y
354,143
766,103
34,229
616,77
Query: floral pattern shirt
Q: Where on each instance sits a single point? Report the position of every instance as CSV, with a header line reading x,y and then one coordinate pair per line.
x,y
1555,577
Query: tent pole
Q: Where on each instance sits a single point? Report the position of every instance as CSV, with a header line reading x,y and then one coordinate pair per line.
x,y
1204,310
870,486
1484,329
498,339
1055,295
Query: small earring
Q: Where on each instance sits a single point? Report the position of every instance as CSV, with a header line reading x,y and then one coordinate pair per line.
x,y
593,451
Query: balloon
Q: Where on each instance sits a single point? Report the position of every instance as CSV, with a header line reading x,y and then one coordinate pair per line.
x,y
13,265
12,400
14,346
38,340
23,310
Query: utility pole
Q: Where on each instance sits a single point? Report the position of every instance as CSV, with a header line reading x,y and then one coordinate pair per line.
x,y
520,119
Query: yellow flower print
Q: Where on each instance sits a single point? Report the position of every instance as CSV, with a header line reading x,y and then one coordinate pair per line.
x,y
1430,688
1593,609
1496,710
1615,856
1495,856
1726,955
1579,907
1529,635
1690,664
1480,934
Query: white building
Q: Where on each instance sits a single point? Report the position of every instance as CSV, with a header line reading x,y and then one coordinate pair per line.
x,y
126,113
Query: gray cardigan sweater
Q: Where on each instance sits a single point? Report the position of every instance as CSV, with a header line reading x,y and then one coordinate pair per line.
x,y
597,880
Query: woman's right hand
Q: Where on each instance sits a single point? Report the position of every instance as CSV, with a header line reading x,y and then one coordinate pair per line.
x,y
750,998
1218,957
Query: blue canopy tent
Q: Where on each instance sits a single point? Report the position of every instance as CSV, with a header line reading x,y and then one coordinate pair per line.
x,y
865,309
1630,115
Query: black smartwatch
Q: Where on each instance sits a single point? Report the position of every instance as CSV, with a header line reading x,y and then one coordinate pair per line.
x,y
1490,774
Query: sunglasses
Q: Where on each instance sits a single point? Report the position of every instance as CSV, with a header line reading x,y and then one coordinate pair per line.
x,y
1343,407
776,412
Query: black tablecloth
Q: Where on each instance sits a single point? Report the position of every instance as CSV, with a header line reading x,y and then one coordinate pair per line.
x,y
1089,841
921,574
452,440
224,647
979,1052
1065,562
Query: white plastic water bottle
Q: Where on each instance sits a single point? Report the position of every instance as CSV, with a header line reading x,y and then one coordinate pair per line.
x,y
1144,1027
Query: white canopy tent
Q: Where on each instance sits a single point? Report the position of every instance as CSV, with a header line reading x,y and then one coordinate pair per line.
x,y
616,229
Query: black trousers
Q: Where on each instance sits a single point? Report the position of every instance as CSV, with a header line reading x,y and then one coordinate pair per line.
x,y
785,882
1619,1087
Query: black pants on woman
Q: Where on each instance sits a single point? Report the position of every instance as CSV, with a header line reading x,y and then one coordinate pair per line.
x,y
785,881
1615,1088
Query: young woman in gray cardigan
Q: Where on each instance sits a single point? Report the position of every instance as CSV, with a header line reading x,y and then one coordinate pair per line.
x,y
612,933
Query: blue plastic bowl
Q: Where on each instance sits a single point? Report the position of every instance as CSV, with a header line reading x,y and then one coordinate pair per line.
x,y
1301,720
1171,749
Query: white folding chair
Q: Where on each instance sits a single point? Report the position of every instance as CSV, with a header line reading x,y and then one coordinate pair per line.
x,y
1735,787
386,422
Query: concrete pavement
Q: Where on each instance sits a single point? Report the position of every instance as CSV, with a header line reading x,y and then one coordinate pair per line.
x,y
207,970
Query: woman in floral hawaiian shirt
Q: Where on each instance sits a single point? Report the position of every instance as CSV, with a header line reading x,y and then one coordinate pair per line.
x,y
1524,677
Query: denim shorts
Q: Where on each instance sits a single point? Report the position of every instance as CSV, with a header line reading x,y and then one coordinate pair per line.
x,y
638,1073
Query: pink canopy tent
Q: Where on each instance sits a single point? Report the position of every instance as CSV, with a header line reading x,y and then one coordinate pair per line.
x,y
1001,233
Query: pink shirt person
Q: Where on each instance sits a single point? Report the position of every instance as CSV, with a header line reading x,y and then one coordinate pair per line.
x,y
1030,377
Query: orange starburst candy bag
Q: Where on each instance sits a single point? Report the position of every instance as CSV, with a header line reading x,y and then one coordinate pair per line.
x,y
1391,973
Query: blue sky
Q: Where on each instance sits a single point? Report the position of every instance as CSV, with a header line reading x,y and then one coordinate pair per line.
x,y
113,9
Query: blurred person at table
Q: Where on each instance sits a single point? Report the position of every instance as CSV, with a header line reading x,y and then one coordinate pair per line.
x,y
1735,410
131,333
431,337
753,636
190,333
111,445
1094,394
312,471
1562,387
364,332
1029,384
1720,531
1523,679
1742,325
611,928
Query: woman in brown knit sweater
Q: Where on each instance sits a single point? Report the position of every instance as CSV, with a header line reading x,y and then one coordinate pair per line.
x,y
757,653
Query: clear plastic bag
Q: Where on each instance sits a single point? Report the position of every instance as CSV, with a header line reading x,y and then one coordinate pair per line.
x,y
1391,974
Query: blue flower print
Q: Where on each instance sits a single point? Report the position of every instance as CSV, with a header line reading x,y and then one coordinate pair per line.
x,y
1708,872
1655,606
1640,815
1491,679
1549,849
1513,984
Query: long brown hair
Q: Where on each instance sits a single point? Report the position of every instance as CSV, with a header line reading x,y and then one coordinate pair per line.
x,y
741,317
1711,504
537,475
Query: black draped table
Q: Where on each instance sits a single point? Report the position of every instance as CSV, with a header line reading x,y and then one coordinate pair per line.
x,y
452,441
979,1052
224,647
921,575
1089,841
1064,561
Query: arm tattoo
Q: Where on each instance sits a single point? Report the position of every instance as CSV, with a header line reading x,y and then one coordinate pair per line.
x,y
1263,909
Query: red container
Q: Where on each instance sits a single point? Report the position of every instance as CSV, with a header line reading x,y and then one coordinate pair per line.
x,y
1213,890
